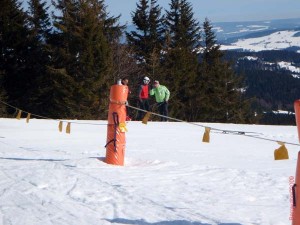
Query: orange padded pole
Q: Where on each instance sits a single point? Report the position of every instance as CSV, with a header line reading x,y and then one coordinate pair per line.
x,y
297,115
115,147
296,195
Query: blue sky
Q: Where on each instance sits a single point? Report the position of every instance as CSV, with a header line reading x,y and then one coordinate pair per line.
x,y
220,10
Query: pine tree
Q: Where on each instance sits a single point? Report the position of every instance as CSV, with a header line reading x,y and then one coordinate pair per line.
x,y
13,50
83,56
39,34
113,30
211,52
220,98
183,28
147,41
39,21
180,59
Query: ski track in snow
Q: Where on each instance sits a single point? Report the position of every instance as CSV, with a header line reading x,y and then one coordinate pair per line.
x,y
170,176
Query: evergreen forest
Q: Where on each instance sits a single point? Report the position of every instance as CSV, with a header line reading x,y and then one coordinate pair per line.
x,y
62,65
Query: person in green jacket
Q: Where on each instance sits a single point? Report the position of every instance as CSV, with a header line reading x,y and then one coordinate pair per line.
x,y
162,95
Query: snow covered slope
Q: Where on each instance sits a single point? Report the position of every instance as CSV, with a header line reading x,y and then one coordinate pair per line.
x,y
170,176
228,31
275,41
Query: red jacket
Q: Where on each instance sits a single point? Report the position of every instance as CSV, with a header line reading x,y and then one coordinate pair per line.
x,y
144,92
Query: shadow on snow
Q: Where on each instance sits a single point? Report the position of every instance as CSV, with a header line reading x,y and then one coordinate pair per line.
x,y
174,222
29,159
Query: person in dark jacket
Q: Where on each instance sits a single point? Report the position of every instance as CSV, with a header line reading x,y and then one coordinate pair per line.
x,y
143,95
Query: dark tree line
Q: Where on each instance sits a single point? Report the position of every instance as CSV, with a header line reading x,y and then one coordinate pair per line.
x,y
186,57
270,56
63,65
61,68
271,87
274,88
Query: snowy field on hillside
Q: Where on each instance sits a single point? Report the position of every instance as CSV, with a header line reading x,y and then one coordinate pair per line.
x,y
170,178
276,41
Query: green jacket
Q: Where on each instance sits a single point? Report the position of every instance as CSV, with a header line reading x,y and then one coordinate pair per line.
x,y
161,93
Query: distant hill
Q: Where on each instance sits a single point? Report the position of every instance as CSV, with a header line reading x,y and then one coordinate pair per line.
x,y
256,36
278,40
283,34
272,78
267,55
232,30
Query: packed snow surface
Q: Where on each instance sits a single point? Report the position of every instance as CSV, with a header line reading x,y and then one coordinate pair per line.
x,y
170,176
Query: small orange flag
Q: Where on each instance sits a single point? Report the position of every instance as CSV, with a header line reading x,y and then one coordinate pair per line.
x,y
206,136
28,117
60,126
146,118
281,152
68,128
19,114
